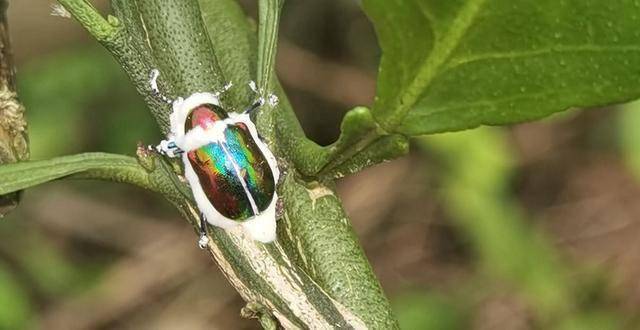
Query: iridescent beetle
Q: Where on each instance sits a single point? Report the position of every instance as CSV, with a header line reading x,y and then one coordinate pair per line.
x,y
231,171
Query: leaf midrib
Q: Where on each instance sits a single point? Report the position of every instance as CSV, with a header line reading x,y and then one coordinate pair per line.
x,y
434,61
575,49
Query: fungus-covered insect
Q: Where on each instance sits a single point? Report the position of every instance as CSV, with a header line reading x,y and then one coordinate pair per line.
x,y
231,171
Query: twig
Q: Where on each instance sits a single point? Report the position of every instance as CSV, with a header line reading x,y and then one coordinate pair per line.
x,y
102,29
13,126
269,20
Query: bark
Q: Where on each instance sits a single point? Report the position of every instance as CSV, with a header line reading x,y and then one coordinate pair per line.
x,y
13,126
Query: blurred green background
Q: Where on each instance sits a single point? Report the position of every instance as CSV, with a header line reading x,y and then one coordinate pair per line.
x,y
529,227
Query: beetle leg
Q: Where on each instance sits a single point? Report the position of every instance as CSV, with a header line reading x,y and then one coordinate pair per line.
x,y
270,99
203,242
257,104
168,148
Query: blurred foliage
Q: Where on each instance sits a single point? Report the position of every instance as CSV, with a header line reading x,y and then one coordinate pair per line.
x,y
629,135
478,166
430,311
36,269
474,170
16,309
80,99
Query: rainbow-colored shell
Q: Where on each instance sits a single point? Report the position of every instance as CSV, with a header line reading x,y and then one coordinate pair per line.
x,y
232,173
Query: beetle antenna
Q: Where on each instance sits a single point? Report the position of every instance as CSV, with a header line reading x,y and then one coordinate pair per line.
x,y
153,81
271,99
257,104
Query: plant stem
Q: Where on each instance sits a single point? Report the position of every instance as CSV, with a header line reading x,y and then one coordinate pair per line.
x,y
268,22
14,144
169,35
86,14
101,166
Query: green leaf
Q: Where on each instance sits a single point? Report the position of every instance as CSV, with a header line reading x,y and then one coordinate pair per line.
x,y
18,176
453,65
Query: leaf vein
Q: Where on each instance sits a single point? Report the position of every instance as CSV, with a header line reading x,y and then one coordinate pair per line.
x,y
436,59
483,103
539,52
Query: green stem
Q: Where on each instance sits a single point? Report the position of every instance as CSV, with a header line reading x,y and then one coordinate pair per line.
x,y
101,166
269,19
86,14
169,35
366,141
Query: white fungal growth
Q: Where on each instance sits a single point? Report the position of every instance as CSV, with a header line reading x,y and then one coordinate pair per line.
x,y
273,100
60,11
224,89
153,81
253,86
155,73
204,240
